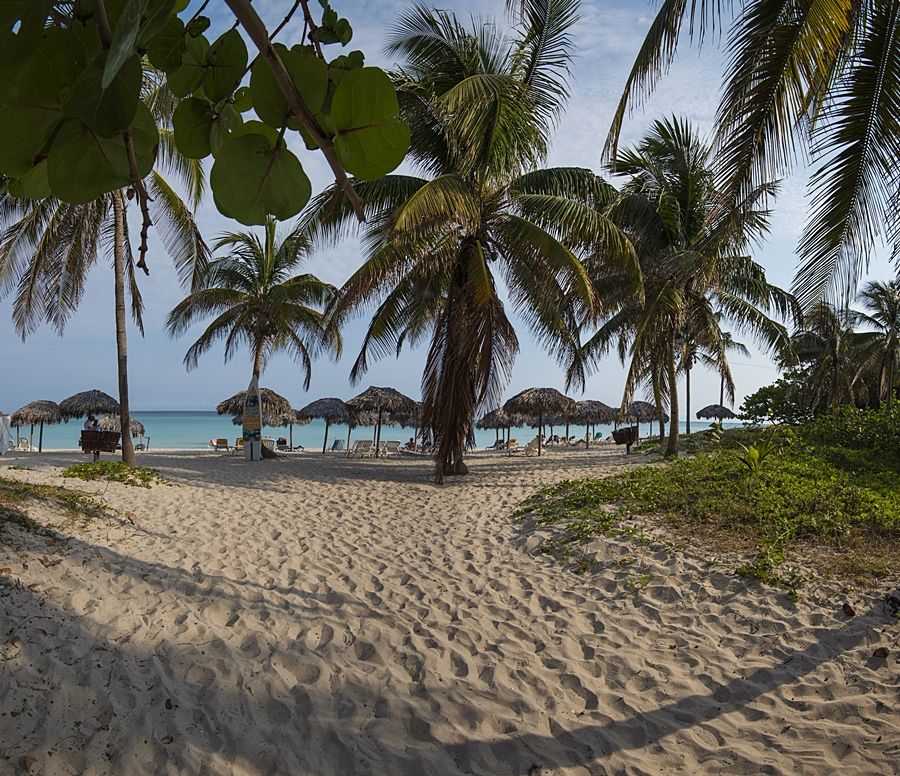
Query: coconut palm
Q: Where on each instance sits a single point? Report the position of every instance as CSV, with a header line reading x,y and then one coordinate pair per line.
x,y
691,244
822,75
481,106
881,302
258,301
48,247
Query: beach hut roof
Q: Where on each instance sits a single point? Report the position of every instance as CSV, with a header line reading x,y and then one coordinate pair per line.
x,y
539,401
114,423
645,412
590,411
88,403
332,410
499,418
41,411
375,399
273,404
715,412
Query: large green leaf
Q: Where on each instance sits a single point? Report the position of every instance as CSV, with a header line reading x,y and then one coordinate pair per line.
x,y
166,49
21,27
124,36
307,71
106,111
192,122
252,178
370,139
226,62
189,76
33,185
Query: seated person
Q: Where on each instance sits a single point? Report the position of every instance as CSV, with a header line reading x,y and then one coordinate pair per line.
x,y
281,442
411,445
91,424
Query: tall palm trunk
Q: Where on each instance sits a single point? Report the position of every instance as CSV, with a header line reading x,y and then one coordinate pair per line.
x,y
121,335
722,391
687,398
257,361
890,385
672,446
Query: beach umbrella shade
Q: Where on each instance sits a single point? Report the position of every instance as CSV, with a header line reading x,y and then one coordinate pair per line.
x,y
381,401
273,404
92,402
590,412
409,419
645,412
330,410
114,423
34,413
539,402
498,420
715,412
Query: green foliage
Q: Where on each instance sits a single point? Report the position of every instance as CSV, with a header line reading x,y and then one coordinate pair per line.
x,y
877,431
785,401
71,88
754,456
15,495
808,500
115,471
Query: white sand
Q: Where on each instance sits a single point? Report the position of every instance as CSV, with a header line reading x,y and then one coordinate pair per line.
x,y
316,615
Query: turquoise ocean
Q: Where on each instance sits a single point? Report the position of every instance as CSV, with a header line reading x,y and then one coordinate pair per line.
x,y
190,430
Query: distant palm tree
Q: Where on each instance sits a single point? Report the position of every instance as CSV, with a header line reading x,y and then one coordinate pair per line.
x,y
481,107
48,247
691,245
822,74
881,302
257,301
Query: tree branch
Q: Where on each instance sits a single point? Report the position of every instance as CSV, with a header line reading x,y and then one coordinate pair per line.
x,y
256,29
143,201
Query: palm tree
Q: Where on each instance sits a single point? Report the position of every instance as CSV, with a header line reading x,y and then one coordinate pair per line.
x,y
691,245
258,301
838,357
822,75
481,107
881,302
48,247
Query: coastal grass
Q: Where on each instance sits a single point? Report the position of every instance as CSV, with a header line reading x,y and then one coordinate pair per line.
x,y
812,506
115,471
16,496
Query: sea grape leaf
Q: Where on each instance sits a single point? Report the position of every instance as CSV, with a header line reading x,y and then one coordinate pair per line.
x,y
243,99
144,139
166,49
254,127
251,178
307,71
226,62
157,14
83,165
226,120
33,184
370,140
22,24
110,110
198,26
192,122
124,37
189,76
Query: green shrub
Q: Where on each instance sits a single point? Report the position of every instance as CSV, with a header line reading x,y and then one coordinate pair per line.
x,y
115,471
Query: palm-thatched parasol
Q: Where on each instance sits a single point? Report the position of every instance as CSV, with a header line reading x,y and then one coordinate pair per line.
x,y
41,411
589,413
92,402
280,420
272,404
331,410
645,412
381,401
499,419
539,402
715,412
114,423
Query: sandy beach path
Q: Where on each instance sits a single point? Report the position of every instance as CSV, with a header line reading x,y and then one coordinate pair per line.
x,y
317,615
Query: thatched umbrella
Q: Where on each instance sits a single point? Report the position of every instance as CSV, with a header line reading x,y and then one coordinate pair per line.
x,y
279,420
272,404
645,412
331,411
41,411
499,419
539,402
413,420
715,412
114,423
88,403
381,401
590,412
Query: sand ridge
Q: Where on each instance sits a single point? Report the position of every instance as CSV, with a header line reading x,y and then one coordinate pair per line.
x,y
318,615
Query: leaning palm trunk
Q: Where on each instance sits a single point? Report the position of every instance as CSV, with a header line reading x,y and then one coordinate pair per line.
x,y
672,447
121,335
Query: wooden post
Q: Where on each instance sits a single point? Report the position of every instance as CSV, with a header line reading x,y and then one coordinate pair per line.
x,y
325,443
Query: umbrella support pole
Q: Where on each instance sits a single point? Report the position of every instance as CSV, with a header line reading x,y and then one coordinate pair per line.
x,y
325,443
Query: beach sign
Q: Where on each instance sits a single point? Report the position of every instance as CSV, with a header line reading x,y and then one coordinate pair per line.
x,y
252,422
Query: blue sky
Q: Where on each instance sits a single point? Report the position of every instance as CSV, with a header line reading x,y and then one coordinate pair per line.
x,y
607,38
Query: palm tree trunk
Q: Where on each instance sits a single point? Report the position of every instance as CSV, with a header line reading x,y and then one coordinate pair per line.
x,y
257,361
540,431
672,447
722,391
121,334
662,431
687,398
890,385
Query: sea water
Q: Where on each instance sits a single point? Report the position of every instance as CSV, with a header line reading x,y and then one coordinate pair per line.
x,y
194,430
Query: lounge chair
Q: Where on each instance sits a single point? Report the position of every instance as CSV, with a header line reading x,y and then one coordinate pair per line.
x,y
362,448
144,444
512,446
220,444
23,444
337,446
532,447
238,446
268,442
390,447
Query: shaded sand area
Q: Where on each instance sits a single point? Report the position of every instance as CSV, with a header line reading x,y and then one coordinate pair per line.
x,y
315,615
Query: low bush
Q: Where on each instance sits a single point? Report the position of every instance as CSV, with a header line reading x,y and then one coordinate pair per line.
x,y
114,471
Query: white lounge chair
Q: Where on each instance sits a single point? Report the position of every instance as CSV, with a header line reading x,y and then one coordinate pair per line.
x,y
390,447
362,448
23,444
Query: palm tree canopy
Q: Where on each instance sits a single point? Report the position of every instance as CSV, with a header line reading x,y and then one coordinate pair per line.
x,y
91,402
715,412
40,411
256,300
272,404
816,76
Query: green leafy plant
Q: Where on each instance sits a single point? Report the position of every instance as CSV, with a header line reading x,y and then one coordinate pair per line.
x,y
115,471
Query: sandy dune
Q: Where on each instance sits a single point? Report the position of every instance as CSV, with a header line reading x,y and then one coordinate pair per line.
x,y
316,615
